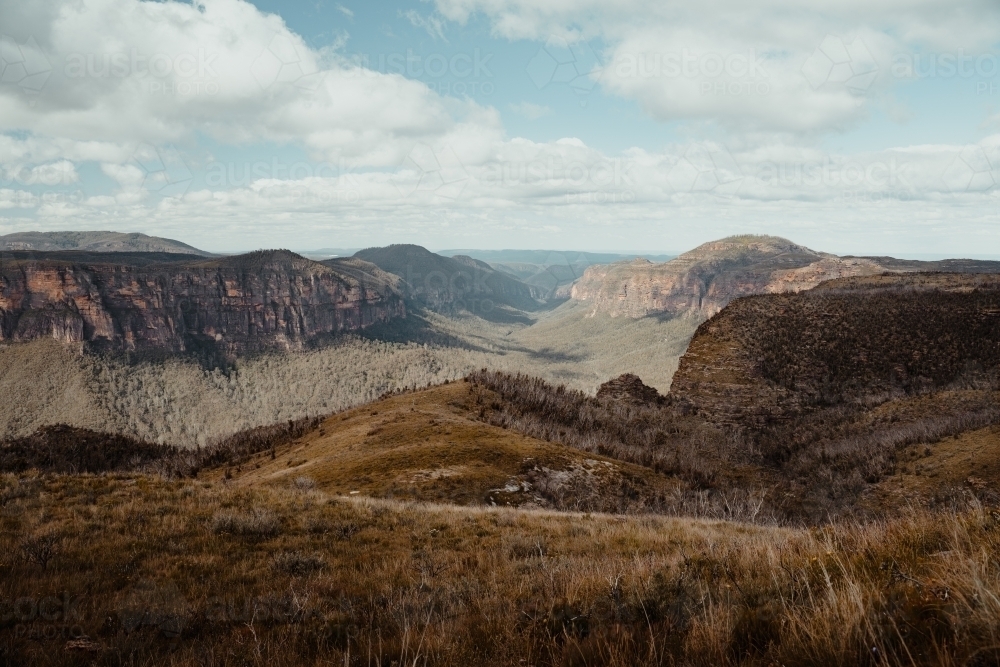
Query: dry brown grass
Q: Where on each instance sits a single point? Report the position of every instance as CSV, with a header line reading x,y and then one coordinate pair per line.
x,y
934,474
142,573
429,445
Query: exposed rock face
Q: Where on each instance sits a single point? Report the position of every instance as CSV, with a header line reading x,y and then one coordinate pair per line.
x,y
629,388
268,299
701,282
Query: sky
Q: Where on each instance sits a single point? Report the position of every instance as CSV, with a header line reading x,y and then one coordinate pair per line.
x,y
867,127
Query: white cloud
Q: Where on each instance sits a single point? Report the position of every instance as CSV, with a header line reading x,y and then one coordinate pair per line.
x,y
129,177
345,11
585,193
126,71
432,24
415,165
773,65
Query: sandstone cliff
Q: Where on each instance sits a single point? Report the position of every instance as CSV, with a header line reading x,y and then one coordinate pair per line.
x,y
263,300
701,282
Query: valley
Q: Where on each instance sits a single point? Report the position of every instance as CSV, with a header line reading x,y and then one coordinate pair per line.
x,y
751,454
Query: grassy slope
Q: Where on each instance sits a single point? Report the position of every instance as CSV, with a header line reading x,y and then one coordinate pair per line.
x,y
183,572
928,472
429,446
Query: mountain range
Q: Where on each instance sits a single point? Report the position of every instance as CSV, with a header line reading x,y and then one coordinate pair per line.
x,y
383,320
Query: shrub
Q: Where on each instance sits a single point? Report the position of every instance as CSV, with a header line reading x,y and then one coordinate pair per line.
x,y
297,563
259,523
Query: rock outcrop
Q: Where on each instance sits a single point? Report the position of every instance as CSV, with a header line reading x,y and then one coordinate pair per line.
x,y
629,388
263,300
704,280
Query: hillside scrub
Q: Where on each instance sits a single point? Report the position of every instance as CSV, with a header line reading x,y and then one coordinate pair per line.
x,y
832,458
657,435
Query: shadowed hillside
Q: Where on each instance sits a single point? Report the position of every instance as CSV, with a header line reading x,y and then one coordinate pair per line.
x,y
853,341
828,386
450,284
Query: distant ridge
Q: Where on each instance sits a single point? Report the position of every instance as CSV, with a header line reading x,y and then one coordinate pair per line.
x,y
96,242
450,284
702,281
551,257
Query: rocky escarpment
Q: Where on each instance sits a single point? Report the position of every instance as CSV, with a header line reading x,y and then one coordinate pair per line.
x,y
705,279
264,300
701,282
849,342
629,388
